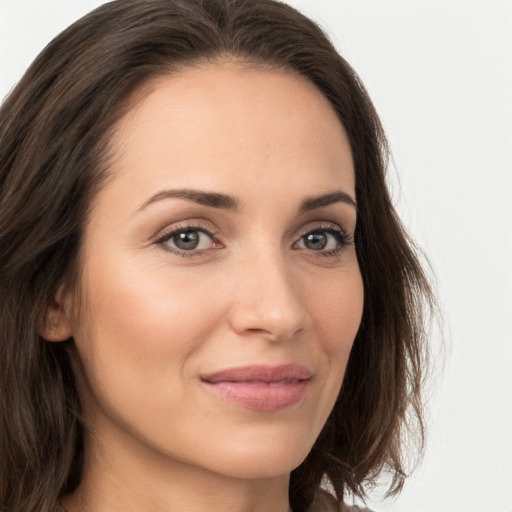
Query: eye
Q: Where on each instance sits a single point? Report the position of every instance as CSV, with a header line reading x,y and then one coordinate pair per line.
x,y
327,240
190,240
185,240
319,241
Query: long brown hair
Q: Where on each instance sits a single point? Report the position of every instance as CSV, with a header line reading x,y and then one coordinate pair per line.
x,y
54,134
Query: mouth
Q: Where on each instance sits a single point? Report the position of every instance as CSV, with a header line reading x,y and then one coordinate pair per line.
x,y
261,388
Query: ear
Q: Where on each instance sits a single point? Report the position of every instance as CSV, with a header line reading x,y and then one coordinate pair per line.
x,y
56,322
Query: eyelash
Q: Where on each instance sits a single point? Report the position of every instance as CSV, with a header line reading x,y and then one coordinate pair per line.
x,y
343,239
161,241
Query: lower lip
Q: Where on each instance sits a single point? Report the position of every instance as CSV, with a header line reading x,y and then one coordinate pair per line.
x,y
260,396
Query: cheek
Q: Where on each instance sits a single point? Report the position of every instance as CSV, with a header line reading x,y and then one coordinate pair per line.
x,y
337,318
139,342
336,310
142,326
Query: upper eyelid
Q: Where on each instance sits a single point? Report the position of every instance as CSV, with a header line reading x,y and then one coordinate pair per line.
x,y
164,233
319,225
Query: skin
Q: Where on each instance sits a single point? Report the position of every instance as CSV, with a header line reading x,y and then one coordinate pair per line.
x,y
152,320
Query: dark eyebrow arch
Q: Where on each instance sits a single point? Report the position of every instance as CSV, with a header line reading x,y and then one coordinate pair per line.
x,y
212,199
338,196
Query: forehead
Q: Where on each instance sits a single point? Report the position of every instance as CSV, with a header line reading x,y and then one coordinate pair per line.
x,y
223,122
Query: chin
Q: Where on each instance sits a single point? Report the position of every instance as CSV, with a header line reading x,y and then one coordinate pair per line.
x,y
260,468
264,457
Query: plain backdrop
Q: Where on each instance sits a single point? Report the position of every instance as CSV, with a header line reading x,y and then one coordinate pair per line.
x,y
440,75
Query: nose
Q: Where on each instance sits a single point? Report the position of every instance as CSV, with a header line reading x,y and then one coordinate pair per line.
x,y
267,299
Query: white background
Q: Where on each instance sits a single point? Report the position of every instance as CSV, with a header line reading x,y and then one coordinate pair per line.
x,y
440,74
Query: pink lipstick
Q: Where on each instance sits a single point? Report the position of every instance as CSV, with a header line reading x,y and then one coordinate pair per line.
x,y
262,388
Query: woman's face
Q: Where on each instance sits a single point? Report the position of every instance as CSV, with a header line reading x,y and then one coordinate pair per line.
x,y
220,286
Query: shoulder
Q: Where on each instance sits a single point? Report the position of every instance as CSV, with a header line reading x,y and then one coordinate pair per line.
x,y
325,502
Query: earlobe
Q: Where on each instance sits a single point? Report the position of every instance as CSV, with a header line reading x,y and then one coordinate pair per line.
x,y
56,325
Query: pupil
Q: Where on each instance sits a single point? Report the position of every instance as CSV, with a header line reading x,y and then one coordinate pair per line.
x,y
316,241
187,240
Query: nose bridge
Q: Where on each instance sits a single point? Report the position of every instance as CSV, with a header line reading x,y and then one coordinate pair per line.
x,y
268,298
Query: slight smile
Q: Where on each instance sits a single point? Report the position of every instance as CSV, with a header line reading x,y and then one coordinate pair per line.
x,y
262,388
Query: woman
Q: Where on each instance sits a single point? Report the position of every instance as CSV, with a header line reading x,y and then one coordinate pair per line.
x,y
208,301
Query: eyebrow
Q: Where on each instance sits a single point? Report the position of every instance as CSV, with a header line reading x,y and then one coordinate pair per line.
x,y
338,196
226,202
212,199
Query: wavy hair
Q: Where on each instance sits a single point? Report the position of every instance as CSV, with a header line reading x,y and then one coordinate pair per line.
x,y
54,133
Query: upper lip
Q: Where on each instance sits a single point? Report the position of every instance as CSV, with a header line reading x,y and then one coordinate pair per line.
x,y
260,373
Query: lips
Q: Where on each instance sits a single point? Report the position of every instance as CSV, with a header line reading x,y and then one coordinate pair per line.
x,y
263,388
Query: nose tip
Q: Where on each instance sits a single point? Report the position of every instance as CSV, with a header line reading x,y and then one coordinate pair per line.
x,y
269,303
